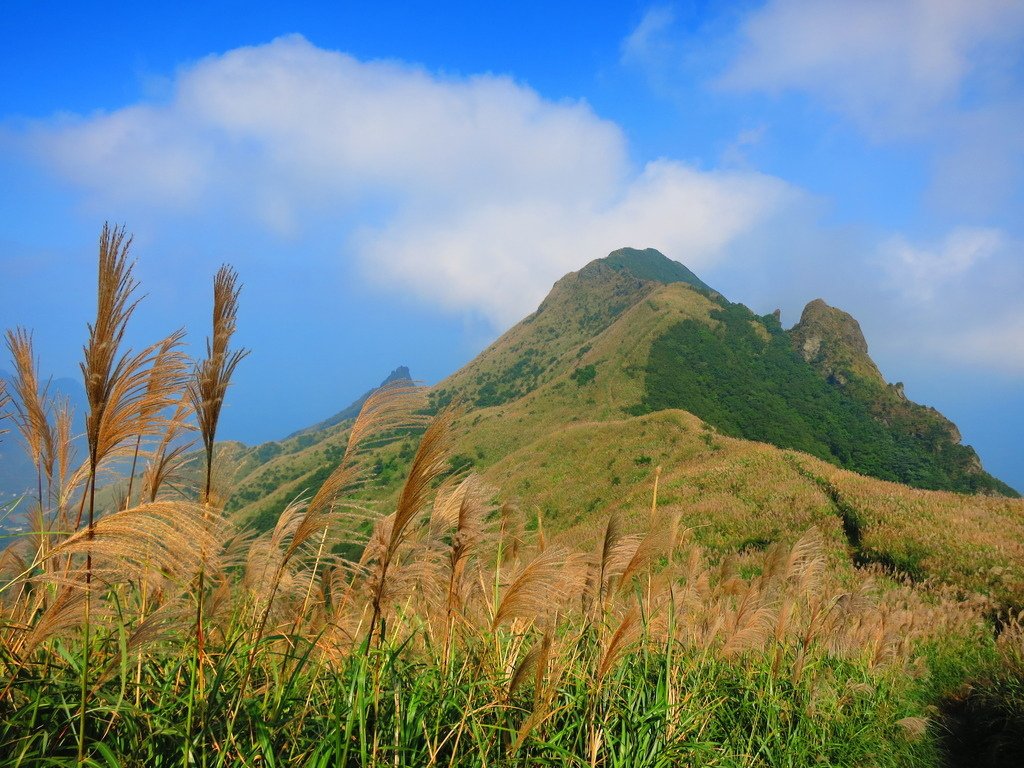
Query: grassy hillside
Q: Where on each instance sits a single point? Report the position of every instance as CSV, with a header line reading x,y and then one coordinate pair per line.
x,y
744,377
571,443
608,588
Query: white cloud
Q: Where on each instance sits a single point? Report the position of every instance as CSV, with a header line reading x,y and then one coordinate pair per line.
x,y
647,41
994,343
957,303
888,64
475,193
503,258
735,153
918,272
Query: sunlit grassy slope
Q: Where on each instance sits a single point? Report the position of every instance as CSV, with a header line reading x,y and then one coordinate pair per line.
x,y
553,413
646,615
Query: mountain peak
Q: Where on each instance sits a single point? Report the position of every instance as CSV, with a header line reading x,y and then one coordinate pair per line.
x,y
652,264
401,373
831,340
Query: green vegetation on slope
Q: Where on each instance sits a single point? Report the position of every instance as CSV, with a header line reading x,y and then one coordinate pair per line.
x,y
548,342
461,639
653,265
753,385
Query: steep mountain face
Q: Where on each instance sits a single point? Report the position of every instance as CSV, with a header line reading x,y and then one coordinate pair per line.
x,y
832,341
743,375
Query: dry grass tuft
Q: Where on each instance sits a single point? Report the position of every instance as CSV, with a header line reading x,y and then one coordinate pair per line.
x,y
30,408
5,401
209,383
553,577
173,538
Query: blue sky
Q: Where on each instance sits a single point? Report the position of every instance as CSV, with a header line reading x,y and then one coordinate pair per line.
x,y
398,184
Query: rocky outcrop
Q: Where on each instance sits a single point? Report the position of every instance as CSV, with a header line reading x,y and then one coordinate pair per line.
x,y
831,340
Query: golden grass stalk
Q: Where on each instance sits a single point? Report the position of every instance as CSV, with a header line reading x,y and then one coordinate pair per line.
x,y
265,560
472,508
165,375
430,462
605,555
527,664
539,586
65,613
103,368
466,506
542,659
655,544
510,532
169,454
752,630
654,495
69,474
30,407
162,625
625,634
212,375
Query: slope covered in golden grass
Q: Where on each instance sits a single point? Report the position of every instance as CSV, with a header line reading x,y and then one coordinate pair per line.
x,y
551,414
629,588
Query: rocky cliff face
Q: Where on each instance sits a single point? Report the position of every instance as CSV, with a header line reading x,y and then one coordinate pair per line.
x,y
831,340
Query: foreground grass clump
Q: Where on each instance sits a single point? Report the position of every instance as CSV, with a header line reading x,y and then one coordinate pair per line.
x,y
156,631
386,706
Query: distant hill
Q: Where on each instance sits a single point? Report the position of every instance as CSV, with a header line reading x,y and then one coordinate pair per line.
x,y
632,363
401,373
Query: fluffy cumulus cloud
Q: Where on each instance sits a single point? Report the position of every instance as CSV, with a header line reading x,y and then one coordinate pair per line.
x,y
475,193
919,272
943,76
888,64
958,298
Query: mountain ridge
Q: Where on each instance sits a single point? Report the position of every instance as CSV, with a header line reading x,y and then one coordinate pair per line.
x,y
915,444
554,414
